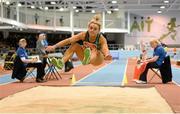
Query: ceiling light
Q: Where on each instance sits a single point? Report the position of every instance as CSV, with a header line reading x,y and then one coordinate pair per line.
x,y
166,1
74,7
159,11
162,7
109,12
116,9
114,1
46,8
19,4
7,2
93,11
32,7
40,7
61,9
53,3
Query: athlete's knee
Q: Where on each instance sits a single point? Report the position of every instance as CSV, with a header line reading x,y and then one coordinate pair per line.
x,y
75,46
97,60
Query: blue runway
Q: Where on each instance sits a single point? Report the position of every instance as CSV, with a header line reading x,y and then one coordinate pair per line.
x,y
6,79
176,75
110,75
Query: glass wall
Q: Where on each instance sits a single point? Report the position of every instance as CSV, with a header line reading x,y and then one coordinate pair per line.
x,y
117,19
44,17
81,19
52,18
63,19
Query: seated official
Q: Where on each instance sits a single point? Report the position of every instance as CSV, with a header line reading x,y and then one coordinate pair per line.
x,y
41,44
21,52
156,61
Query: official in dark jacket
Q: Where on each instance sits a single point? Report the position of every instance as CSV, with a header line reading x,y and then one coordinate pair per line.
x,y
22,54
156,61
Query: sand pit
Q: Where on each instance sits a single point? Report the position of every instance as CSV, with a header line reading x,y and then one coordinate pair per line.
x,y
44,99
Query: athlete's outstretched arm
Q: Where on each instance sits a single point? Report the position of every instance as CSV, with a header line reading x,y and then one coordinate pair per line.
x,y
67,41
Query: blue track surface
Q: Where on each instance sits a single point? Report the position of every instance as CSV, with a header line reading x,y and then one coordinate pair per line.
x,y
110,75
6,79
176,75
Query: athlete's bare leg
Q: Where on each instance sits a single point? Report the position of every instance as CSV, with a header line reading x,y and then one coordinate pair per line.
x,y
74,48
97,57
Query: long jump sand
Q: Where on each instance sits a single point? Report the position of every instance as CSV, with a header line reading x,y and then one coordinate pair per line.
x,y
44,99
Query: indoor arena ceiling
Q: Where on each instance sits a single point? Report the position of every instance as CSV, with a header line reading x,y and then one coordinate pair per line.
x,y
98,5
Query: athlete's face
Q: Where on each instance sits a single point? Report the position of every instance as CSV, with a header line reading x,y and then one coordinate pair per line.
x,y
93,29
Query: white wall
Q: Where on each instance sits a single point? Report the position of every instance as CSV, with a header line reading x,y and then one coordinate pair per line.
x,y
157,30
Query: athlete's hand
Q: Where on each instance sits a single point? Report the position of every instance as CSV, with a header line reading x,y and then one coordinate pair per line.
x,y
90,45
108,57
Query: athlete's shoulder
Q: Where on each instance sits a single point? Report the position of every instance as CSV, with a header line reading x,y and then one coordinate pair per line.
x,y
83,35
